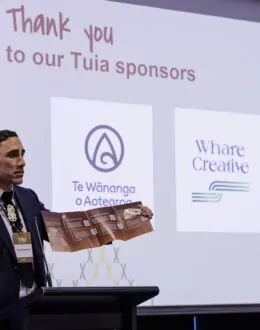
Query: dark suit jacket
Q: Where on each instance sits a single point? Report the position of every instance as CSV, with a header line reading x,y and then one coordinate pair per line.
x,y
30,207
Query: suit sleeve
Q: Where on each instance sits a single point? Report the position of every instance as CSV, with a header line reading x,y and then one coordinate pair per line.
x,y
41,224
44,232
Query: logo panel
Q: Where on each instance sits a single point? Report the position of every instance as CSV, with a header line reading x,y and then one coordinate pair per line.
x,y
217,162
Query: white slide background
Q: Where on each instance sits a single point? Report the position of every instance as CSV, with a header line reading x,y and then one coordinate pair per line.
x,y
197,254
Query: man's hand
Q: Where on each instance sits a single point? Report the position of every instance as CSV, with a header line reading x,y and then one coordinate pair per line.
x,y
146,212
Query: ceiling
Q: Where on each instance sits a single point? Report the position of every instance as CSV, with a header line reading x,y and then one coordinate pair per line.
x,y
238,9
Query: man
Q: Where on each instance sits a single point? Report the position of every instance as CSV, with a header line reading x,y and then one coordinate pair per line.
x,y
22,271
19,212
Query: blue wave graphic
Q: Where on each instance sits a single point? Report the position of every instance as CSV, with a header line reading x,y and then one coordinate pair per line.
x,y
217,187
206,197
229,185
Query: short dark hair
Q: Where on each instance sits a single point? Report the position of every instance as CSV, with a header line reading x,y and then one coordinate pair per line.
x,y
6,134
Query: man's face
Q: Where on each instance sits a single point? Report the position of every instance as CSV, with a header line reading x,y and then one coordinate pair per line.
x,y
11,162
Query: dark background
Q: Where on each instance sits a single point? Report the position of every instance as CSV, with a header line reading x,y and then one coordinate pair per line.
x,y
238,9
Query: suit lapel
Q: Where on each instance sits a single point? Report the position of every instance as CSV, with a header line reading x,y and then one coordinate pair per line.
x,y
4,234
27,207
24,207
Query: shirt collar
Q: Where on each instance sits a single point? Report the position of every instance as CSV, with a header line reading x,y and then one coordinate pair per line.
x,y
9,189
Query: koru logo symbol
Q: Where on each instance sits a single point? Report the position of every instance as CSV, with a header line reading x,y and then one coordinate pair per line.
x,y
104,148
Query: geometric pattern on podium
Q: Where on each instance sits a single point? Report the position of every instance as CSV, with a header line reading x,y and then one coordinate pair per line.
x,y
99,268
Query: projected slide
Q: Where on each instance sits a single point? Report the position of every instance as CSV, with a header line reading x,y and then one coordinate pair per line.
x,y
117,103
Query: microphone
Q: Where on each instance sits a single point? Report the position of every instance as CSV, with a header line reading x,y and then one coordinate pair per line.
x,y
49,280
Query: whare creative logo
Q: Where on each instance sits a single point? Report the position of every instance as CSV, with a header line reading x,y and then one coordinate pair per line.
x,y
225,159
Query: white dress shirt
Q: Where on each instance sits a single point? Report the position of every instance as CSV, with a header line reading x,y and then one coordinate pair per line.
x,y
24,291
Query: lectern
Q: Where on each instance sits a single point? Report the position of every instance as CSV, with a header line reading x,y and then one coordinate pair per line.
x,y
81,308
